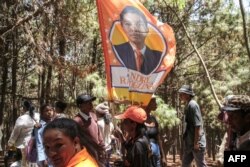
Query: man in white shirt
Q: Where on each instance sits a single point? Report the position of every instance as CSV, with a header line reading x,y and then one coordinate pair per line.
x,y
106,127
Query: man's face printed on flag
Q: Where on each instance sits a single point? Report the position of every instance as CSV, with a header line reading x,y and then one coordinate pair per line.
x,y
135,28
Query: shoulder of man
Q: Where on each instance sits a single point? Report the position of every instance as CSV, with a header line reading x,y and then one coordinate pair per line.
x,y
81,120
78,119
123,46
151,52
93,116
193,103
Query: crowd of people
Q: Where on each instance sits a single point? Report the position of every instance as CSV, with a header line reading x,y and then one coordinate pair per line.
x,y
88,138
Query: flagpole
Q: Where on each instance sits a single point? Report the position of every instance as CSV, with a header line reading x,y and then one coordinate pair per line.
x,y
105,49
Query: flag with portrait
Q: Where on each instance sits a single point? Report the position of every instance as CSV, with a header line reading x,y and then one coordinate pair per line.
x,y
139,50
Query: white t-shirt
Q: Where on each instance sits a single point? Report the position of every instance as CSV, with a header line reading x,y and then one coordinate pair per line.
x,y
16,164
22,130
106,130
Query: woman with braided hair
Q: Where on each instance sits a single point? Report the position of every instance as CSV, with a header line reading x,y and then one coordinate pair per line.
x,y
23,128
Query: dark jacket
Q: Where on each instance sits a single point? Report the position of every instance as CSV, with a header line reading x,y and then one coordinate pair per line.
x,y
138,152
126,55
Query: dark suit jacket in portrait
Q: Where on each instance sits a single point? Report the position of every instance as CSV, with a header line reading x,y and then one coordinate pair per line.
x,y
151,58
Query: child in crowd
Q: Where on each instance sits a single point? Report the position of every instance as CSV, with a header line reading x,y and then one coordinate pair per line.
x,y
46,114
59,109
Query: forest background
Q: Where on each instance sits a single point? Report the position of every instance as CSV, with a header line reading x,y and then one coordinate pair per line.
x,y
51,50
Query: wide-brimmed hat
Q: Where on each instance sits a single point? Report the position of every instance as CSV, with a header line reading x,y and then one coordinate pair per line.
x,y
187,89
102,108
236,103
134,113
84,98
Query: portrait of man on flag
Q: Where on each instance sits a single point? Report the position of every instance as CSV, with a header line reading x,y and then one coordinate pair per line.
x,y
139,50
136,54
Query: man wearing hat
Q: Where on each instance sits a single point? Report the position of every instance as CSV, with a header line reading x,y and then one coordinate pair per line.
x,y
87,118
237,108
106,128
136,143
194,136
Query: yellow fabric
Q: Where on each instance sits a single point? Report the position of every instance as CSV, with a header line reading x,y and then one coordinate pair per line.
x,y
82,159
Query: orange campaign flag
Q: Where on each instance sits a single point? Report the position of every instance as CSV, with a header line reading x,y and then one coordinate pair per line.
x,y
139,50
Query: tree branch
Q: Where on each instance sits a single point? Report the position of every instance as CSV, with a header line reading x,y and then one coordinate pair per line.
x,y
197,52
27,18
245,28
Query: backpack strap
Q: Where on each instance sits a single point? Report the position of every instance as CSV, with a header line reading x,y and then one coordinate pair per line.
x,y
147,147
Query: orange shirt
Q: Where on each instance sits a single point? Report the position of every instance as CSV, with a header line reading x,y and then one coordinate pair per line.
x,y
82,159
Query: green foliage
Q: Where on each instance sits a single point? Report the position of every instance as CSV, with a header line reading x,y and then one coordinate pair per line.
x,y
99,88
180,4
166,115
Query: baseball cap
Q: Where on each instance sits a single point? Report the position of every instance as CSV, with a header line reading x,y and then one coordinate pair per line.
x,y
134,113
84,98
187,89
236,102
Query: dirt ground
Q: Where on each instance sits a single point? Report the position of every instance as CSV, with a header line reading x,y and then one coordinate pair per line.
x,y
177,163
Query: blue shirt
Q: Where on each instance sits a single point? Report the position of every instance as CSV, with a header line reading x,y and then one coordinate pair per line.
x,y
41,156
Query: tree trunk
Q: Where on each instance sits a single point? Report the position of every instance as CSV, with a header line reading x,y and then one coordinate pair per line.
x,y
62,44
245,28
4,66
14,76
74,77
42,84
20,22
94,51
209,142
39,87
213,146
201,59
50,69
48,84
178,141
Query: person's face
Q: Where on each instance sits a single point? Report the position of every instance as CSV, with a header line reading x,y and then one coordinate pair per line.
x,y
48,113
236,121
129,126
86,107
58,110
24,109
59,148
184,97
135,28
